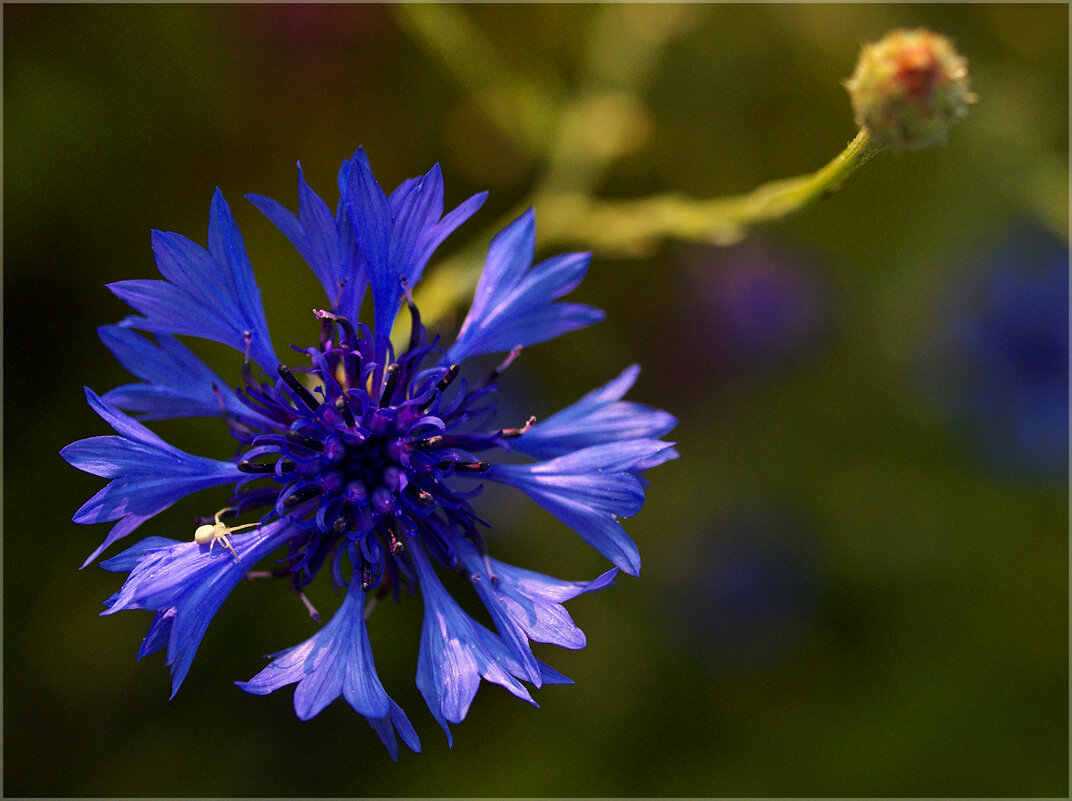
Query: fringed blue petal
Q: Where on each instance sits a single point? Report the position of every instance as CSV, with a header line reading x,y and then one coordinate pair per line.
x,y
456,653
207,293
385,728
147,475
127,560
125,526
598,418
177,383
159,632
513,305
188,582
526,605
396,236
589,490
325,241
335,661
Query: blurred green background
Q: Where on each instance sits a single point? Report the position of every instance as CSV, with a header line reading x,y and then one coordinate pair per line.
x,y
855,576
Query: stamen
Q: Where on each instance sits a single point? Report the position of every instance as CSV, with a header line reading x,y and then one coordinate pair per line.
x,y
345,324
303,394
465,467
424,498
427,442
232,421
343,408
256,468
448,379
306,442
498,371
252,498
351,365
393,541
309,606
247,372
327,334
389,387
514,433
487,566
342,522
300,497
415,327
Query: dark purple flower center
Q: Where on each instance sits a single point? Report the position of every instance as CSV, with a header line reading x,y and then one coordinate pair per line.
x,y
363,459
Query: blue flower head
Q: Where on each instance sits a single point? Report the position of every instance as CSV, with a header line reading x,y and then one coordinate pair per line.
x,y
359,460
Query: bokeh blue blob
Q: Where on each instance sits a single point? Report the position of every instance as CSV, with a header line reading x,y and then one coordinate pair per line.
x,y
1001,365
749,594
756,307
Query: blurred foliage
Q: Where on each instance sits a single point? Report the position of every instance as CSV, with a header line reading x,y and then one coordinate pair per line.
x,y
840,595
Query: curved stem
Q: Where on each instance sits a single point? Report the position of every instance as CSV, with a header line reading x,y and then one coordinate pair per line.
x,y
635,225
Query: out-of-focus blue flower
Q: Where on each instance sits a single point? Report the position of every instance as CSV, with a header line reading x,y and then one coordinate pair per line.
x,y
362,461
747,595
1001,361
757,306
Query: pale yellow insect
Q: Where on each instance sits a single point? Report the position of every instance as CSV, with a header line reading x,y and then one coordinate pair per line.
x,y
211,533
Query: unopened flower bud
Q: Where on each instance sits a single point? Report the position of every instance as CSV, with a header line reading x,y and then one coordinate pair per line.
x,y
908,89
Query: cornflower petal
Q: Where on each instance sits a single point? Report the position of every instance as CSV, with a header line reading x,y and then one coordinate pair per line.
x,y
386,727
160,629
188,583
118,531
589,490
397,235
325,241
659,457
513,304
335,661
158,634
526,605
207,293
176,382
147,475
599,417
455,653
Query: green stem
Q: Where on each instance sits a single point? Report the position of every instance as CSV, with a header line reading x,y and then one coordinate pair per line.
x,y
633,226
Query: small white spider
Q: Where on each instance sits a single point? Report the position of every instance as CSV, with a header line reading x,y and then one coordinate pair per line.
x,y
211,533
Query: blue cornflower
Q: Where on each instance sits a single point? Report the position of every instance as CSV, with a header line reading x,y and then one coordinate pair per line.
x,y
363,461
